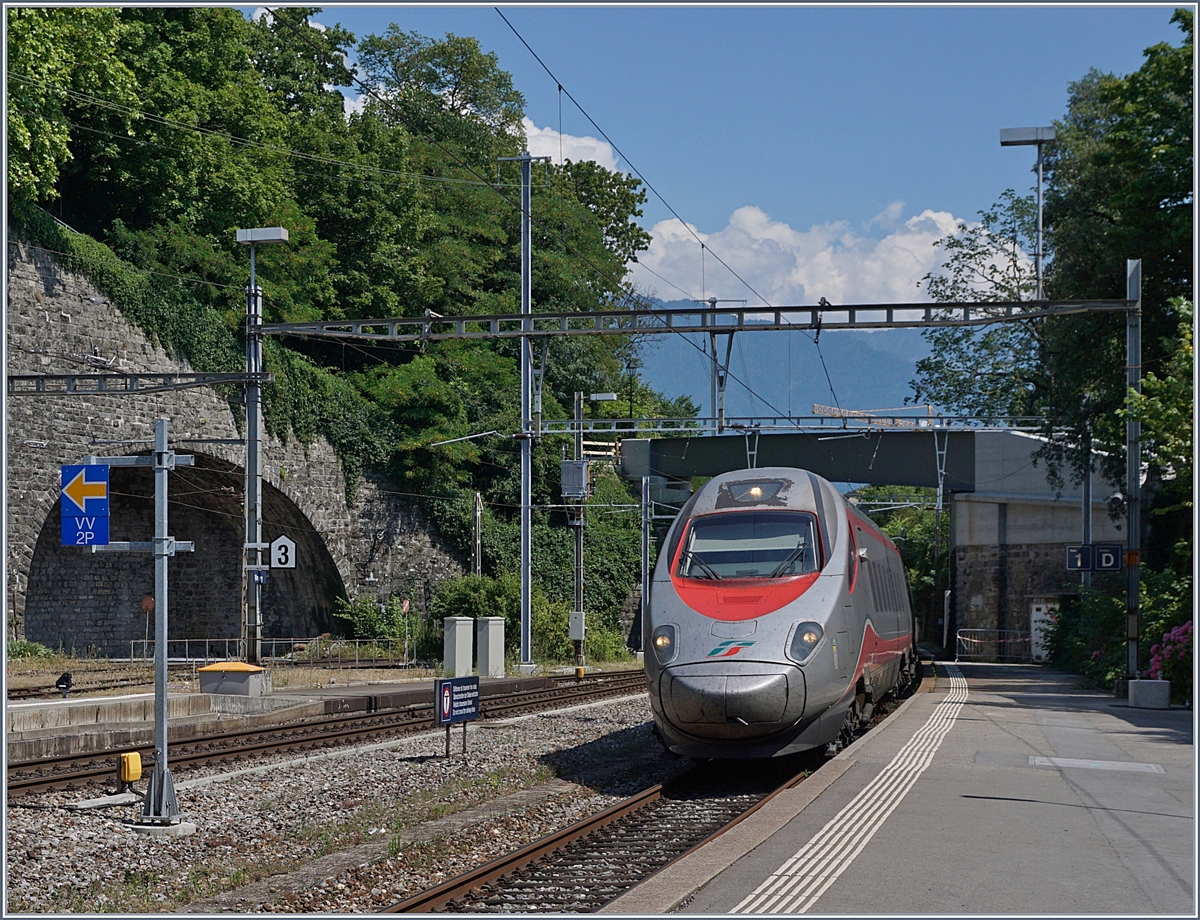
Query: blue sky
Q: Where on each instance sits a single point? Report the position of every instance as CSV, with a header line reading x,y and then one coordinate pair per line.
x,y
817,150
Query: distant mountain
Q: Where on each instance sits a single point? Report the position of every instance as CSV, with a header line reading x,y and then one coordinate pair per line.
x,y
868,370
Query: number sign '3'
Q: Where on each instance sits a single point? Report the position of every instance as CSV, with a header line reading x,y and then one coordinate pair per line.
x,y
283,553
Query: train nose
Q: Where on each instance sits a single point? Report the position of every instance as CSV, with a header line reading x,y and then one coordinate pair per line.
x,y
732,700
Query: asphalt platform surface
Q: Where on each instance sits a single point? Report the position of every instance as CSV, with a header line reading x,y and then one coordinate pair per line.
x,y
995,789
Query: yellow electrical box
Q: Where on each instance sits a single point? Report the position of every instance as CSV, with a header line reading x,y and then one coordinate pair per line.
x,y
131,767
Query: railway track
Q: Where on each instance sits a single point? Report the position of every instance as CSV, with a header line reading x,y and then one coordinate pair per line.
x,y
93,682
81,770
582,867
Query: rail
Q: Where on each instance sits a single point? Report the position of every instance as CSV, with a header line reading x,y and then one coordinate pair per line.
x,y
993,645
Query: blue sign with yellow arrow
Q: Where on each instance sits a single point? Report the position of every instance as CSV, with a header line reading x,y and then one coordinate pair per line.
x,y
85,505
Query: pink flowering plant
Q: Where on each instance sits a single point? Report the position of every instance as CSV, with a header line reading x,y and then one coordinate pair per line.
x,y
1172,660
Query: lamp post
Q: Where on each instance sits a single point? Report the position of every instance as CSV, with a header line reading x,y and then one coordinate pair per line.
x,y
251,559
1026,137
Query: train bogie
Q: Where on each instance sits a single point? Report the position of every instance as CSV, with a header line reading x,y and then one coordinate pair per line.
x,y
775,618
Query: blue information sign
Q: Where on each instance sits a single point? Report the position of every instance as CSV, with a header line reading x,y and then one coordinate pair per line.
x,y
85,490
85,530
1079,557
456,699
1095,557
85,505
1108,557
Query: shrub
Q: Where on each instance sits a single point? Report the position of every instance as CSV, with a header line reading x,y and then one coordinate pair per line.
x,y
23,648
603,643
1172,660
1088,637
370,619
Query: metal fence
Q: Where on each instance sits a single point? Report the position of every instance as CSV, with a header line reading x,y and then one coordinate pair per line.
x,y
198,650
315,651
993,645
326,651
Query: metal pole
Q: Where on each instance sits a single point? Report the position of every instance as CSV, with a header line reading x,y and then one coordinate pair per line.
x,y
578,513
1085,578
160,805
1038,259
252,629
478,536
712,341
1133,462
526,442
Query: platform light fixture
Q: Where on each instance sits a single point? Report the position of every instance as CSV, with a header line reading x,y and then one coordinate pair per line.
x,y
1030,137
251,554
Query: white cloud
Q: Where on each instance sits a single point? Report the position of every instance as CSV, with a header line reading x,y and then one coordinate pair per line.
x,y
350,106
545,142
797,267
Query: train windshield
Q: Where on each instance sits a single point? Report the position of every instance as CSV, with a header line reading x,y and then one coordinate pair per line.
x,y
750,544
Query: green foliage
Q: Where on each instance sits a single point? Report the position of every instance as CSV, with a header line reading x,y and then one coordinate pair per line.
x,y
1119,184
1087,636
53,53
995,372
605,644
157,131
484,596
372,620
23,648
912,530
1166,408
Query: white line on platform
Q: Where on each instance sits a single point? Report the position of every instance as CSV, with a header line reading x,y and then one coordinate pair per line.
x,y
796,885
1126,765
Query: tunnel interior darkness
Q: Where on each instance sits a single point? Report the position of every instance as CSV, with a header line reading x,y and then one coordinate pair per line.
x,y
92,602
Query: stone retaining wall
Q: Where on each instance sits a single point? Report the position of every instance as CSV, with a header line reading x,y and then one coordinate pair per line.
x,y
59,323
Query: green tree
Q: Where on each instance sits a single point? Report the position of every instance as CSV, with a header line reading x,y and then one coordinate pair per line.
x,y
1119,186
157,131
53,55
997,372
1166,409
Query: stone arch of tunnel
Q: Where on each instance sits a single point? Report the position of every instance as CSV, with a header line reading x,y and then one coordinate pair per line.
x,y
91,602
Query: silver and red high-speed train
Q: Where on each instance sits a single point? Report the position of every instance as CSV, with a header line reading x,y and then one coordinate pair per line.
x,y
779,615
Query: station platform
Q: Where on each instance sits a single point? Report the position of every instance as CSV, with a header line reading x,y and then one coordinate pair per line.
x,y
101,724
995,789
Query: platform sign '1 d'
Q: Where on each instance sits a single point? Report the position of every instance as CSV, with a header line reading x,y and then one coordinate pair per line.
x,y
85,505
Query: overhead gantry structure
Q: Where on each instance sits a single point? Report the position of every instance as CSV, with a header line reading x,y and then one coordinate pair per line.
x,y
714,320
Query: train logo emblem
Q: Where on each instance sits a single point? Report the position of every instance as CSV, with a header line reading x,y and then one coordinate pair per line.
x,y
446,702
727,649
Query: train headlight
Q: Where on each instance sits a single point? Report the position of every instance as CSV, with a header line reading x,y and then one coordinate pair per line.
x,y
663,640
806,638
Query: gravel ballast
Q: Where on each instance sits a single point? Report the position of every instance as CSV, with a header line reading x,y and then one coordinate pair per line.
x,y
339,832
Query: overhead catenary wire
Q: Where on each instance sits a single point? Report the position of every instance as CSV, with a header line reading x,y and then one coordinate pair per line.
x,y
686,225
478,180
365,88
